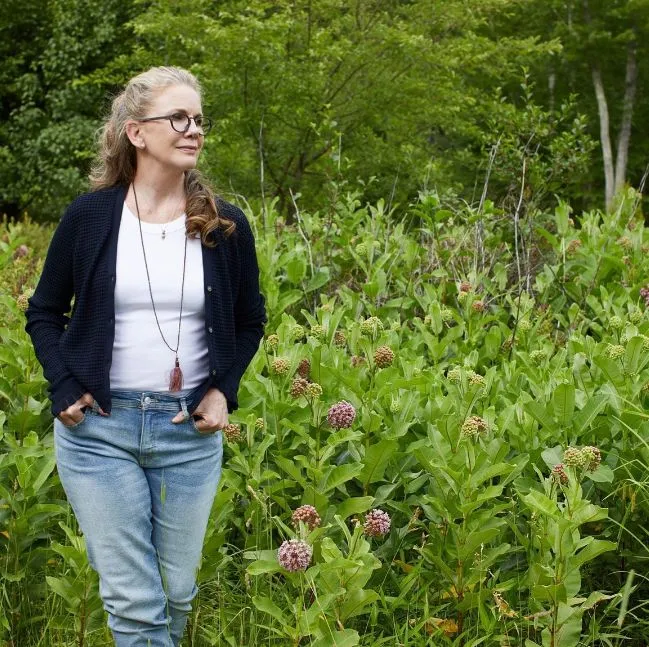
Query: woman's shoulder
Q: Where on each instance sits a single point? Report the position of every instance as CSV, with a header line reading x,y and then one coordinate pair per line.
x,y
230,211
95,202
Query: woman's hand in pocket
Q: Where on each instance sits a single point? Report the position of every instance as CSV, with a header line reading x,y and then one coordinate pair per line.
x,y
211,414
74,414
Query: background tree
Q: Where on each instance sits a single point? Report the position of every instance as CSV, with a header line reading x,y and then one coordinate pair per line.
x,y
48,118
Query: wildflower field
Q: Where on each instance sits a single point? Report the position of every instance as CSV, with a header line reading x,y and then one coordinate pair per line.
x,y
442,441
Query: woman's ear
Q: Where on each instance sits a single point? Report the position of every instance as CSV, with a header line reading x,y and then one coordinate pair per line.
x,y
134,133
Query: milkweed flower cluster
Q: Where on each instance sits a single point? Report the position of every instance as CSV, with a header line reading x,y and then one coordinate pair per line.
x,y
357,360
307,514
260,424
304,368
383,356
280,366
340,340
525,325
272,341
537,356
635,317
644,293
454,375
615,351
559,474
377,523
317,331
22,302
296,333
592,457
473,427
447,314
478,306
371,326
465,286
475,379
341,415
232,432
314,390
361,249
615,322
298,387
588,457
294,555
395,404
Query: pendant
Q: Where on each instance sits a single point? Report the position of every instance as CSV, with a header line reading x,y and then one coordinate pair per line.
x,y
176,378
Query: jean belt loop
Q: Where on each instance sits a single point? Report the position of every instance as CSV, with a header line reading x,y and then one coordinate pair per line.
x,y
183,406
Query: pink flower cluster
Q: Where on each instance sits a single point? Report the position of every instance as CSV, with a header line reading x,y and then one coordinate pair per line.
x,y
644,293
308,514
341,415
377,523
294,555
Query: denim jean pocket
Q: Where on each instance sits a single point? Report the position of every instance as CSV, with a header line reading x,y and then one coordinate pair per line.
x,y
76,424
198,431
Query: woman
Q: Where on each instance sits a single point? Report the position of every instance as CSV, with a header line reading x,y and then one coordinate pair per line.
x,y
167,316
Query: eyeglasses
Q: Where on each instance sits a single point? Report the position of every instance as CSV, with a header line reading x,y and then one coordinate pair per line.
x,y
181,122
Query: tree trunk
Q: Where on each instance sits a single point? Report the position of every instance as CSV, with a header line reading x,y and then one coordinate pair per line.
x,y
631,84
604,134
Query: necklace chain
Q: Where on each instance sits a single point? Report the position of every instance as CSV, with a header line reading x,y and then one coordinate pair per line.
x,y
148,278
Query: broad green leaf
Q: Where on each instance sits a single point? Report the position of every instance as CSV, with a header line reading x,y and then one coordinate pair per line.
x,y
345,638
585,416
266,605
296,269
611,369
336,476
354,505
261,567
595,548
540,413
541,503
563,400
376,460
603,474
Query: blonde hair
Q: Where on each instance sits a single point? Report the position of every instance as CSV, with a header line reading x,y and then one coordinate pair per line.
x,y
116,161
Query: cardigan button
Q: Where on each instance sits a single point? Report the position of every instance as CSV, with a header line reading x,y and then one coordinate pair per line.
x,y
209,288
213,371
210,330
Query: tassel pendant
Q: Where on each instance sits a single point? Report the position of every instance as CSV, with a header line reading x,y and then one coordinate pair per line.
x,y
176,378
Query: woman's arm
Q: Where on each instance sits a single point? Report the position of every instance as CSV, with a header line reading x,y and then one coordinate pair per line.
x,y
47,314
249,313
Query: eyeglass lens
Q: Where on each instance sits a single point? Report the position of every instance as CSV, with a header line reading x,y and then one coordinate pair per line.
x,y
181,123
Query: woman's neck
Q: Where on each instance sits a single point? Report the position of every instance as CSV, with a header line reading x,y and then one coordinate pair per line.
x,y
159,198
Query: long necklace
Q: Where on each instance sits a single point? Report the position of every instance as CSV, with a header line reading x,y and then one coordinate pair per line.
x,y
176,375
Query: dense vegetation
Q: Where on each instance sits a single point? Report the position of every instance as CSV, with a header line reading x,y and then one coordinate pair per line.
x,y
496,374
392,95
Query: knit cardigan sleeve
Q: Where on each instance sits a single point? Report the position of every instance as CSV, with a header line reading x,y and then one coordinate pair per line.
x,y
249,309
47,314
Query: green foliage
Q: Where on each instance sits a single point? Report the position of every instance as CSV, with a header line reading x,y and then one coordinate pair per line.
x,y
471,370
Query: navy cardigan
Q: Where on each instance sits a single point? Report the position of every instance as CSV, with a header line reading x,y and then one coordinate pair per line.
x,y
76,349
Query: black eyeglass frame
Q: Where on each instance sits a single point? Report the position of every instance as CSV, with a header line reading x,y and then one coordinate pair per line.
x,y
204,127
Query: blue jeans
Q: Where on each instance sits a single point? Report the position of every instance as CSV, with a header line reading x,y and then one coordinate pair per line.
x,y
142,489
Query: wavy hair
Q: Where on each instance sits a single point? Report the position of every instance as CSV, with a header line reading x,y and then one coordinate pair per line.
x,y
116,160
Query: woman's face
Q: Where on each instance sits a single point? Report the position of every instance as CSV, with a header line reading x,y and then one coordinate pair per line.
x,y
163,144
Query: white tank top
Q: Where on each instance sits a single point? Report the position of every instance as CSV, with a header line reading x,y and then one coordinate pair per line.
x,y
141,361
